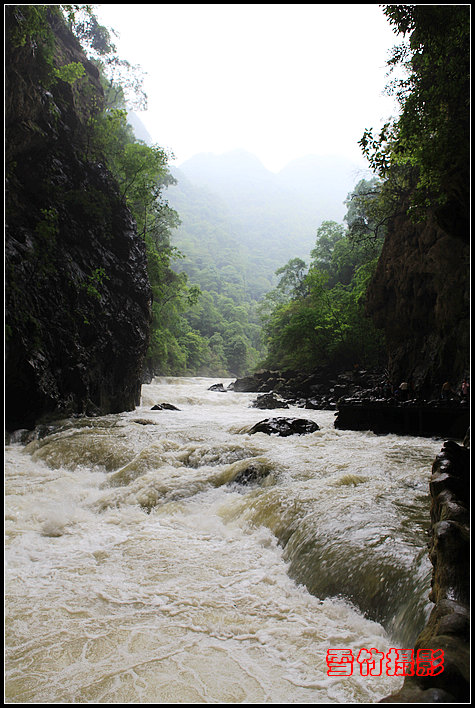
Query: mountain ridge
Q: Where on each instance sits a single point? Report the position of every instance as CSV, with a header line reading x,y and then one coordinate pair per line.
x,y
314,181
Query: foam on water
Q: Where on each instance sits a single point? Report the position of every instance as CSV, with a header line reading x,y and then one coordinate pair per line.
x,y
139,571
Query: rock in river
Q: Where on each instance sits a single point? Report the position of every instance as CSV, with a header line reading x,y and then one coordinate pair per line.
x,y
164,407
269,400
284,426
217,387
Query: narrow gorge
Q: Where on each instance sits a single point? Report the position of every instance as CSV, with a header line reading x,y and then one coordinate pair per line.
x,y
166,540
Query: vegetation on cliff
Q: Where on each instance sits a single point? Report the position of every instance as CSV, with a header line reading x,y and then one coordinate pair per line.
x,y
77,291
68,104
420,294
425,150
62,57
417,207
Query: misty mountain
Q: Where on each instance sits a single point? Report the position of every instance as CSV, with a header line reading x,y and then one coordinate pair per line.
x,y
317,184
322,180
269,217
216,254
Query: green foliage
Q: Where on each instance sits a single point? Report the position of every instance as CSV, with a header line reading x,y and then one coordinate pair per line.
x,y
368,212
94,282
70,73
33,30
94,38
322,320
292,282
429,141
141,173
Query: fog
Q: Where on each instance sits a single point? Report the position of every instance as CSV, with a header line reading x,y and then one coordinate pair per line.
x,y
280,81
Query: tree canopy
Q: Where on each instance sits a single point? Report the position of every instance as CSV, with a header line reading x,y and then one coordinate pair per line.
x,y
428,143
315,316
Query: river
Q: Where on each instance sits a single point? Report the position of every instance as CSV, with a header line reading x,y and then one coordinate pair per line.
x,y
139,571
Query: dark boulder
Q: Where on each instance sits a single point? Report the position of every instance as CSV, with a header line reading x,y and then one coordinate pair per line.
x,y
217,387
403,418
164,407
284,427
269,401
247,384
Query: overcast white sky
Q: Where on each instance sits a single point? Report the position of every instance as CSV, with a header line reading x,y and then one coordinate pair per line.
x,y
281,81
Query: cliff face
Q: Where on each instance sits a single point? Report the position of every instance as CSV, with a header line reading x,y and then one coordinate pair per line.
x,y
420,297
78,299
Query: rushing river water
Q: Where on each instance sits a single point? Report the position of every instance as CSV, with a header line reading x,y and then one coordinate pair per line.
x,y
139,571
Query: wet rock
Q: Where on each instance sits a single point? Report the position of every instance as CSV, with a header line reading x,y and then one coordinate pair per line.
x,y
269,401
403,418
22,435
217,387
427,333
448,627
164,407
252,384
284,427
312,404
251,475
323,387
449,554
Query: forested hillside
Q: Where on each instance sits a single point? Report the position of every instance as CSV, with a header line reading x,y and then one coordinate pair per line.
x,y
316,315
239,224
275,215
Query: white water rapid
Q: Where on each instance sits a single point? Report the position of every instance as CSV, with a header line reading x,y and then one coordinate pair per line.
x,y
139,571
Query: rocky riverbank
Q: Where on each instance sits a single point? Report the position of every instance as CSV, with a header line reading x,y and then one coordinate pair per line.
x,y
322,388
362,400
448,627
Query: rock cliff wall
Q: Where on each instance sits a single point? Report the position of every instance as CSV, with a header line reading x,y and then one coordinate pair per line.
x,y
420,297
78,299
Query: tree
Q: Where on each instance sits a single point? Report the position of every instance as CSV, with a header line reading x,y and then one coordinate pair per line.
x,y
429,141
328,234
322,321
365,216
292,281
